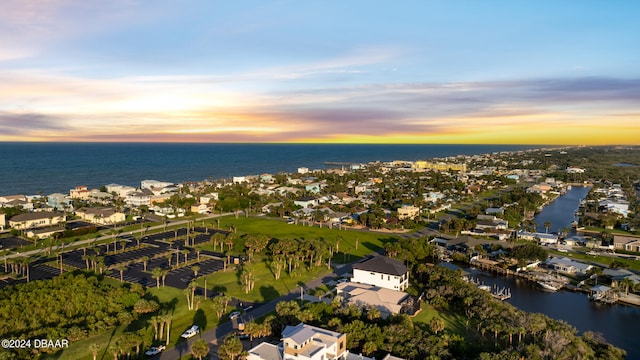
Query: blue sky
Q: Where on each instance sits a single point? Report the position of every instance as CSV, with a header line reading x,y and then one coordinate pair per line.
x,y
311,71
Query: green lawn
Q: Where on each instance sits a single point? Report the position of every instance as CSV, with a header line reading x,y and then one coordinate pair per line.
x,y
368,242
266,287
454,323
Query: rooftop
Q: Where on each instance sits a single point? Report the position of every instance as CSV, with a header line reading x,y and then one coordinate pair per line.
x,y
382,264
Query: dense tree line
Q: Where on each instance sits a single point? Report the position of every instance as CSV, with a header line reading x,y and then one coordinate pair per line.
x,y
72,306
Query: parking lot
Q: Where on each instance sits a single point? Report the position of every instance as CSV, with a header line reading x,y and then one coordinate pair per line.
x,y
161,250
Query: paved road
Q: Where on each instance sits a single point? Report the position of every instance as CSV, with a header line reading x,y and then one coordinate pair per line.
x,y
216,335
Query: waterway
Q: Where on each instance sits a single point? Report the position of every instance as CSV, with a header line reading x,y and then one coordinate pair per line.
x,y
618,323
561,212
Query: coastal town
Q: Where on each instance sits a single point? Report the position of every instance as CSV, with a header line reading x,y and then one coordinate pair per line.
x,y
374,230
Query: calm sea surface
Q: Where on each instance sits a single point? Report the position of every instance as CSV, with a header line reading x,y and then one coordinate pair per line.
x,y
30,168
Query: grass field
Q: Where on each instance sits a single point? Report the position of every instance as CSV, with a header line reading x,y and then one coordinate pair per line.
x,y
368,242
454,323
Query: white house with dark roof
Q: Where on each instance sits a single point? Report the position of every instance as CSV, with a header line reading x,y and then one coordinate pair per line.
x,y
381,271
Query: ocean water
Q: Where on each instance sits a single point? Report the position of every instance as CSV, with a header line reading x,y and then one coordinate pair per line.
x,y
34,168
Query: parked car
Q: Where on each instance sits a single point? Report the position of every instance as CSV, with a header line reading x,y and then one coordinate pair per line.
x,y
234,315
191,332
155,350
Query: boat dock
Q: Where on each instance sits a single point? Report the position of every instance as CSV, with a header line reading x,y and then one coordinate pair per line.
x,y
497,293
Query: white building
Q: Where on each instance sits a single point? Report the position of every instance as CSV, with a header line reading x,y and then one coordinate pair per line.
x,y
303,342
154,184
569,266
139,198
381,271
303,170
408,212
119,190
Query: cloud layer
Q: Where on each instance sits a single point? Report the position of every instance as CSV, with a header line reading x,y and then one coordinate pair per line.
x,y
131,70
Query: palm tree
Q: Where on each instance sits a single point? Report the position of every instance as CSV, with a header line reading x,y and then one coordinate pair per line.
x,y
94,350
230,348
436,324
199,349
595,272
168,320
157,274
164,276
547,225
626,283
195,269
144,260
121,268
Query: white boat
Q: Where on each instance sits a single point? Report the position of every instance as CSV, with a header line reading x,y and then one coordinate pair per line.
x,y
550,285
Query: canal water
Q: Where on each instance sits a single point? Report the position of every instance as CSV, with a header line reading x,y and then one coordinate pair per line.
x,y
617,323
562,212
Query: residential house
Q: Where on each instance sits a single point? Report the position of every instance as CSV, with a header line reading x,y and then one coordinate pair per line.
x,y
7,200
541,238
381,271
313,187
59,201
626,242
303,170
119,190
200,209
271,207
34,220
100,197
154,184
139,198
19,203
491,222
80,192
620,207
386,300
567,265
207,199
408,212
3,221
433,196
101,216
494,211
239,179
303,342
305,202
